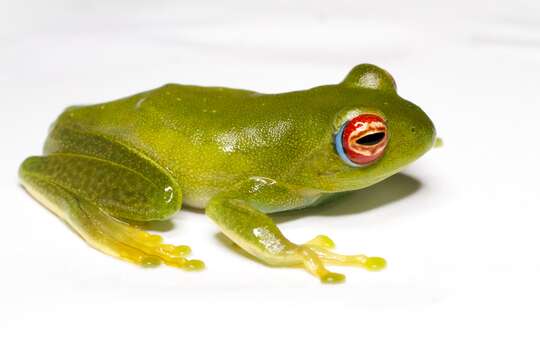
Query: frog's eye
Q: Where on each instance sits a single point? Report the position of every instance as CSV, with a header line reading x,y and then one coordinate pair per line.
x,y
362,140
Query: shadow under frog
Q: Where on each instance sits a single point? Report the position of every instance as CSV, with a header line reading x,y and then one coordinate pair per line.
x,y
386,192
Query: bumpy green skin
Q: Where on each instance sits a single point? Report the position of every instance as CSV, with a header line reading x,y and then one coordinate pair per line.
x,y
140,157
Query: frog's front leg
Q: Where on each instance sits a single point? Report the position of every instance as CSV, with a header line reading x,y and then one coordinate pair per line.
x,y
240,213
92,194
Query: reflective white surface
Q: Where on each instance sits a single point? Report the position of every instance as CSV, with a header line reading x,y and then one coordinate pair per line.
x,y
459,228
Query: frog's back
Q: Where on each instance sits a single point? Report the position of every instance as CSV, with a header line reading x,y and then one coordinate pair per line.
x,y
208,138
171,106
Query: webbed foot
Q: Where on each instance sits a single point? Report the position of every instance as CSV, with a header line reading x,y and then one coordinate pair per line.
x,y
129,243
316,254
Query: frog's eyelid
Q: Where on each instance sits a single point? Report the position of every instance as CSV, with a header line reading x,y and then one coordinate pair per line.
x,y
338,140
345,116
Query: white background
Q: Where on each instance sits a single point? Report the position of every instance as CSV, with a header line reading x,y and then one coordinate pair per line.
x,y
459,227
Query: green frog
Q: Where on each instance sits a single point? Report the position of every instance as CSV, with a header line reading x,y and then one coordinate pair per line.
x,y
240,155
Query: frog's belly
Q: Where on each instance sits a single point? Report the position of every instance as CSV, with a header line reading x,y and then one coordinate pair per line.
x,y
197,201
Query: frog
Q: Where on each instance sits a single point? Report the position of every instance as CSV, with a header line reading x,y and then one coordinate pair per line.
x,y
108,169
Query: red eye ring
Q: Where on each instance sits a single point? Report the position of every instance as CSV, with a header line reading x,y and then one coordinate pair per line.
x,y
364,138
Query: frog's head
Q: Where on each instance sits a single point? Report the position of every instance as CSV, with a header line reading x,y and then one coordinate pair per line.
x,y
373,135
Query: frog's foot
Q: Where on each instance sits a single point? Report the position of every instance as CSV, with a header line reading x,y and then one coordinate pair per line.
x,y
316,253
129,243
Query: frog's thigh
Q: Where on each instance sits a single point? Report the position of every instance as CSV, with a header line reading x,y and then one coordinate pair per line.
x,y
90,194
239,214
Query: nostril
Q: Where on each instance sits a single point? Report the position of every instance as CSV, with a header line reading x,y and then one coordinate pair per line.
x,y
371,139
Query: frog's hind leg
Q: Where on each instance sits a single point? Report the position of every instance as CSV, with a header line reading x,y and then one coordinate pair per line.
x,y
91,195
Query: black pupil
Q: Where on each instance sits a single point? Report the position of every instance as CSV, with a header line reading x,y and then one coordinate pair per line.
x,y
371,139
